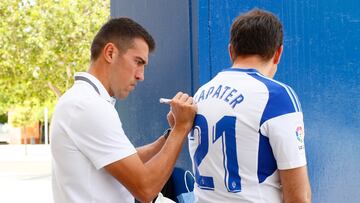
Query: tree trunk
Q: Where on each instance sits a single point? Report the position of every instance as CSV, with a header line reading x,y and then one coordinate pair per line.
x,y
54,89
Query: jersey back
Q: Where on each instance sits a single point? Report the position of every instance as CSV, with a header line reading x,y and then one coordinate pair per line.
x,y
247,127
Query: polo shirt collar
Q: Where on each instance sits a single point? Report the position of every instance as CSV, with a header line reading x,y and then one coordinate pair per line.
x,y
103,93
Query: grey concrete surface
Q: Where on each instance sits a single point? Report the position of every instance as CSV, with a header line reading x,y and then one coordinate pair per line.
x,y
25,174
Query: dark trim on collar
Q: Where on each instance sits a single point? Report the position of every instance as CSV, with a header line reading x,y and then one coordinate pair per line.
x,y
88,81
245,70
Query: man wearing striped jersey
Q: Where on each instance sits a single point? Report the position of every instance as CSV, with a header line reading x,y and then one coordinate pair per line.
x,y
247,143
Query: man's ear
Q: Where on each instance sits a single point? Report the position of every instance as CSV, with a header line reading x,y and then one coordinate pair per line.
x,y
108,52
231,52
278,54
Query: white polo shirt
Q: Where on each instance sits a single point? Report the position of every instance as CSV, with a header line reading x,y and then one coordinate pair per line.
x,y
86,135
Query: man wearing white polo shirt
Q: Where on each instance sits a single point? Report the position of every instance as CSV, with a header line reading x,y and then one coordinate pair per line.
x,y
93,160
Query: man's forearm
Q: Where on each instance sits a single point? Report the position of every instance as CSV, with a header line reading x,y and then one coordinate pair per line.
x,y
165,159
296,186
148,151
147,179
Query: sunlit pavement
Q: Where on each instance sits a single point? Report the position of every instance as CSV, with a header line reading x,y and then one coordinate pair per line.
x,y
25,174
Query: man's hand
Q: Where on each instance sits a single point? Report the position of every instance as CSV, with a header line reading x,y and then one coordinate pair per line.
x,y
171,119
182,111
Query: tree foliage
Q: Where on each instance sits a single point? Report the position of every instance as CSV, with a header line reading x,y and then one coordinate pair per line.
x,y
42,44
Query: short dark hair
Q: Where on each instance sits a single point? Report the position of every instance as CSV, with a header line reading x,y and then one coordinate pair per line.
x,y
256,32
121,32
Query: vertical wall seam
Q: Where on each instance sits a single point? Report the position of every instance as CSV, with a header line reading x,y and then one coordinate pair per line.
x,y
191,48
209,42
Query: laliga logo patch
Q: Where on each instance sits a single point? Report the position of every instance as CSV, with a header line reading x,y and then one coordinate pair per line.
x,y
300,134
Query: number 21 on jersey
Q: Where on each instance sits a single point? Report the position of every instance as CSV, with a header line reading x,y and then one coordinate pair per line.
x,y
223,131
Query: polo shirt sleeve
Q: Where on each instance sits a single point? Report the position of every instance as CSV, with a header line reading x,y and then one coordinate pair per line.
x,y
98,133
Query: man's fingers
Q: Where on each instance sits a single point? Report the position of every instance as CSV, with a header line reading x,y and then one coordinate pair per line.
x,y
180,96
177,96
184,97
189,100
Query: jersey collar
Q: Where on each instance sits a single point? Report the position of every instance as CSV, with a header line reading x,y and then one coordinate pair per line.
x,y
244,70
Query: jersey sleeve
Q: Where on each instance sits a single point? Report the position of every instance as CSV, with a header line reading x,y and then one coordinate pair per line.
x,y
286,137
282,123
99,134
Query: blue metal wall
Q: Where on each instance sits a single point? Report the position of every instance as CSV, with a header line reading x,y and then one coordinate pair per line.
x,y
321,61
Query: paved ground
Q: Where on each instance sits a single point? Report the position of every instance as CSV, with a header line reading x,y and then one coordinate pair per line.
x,y
25,174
